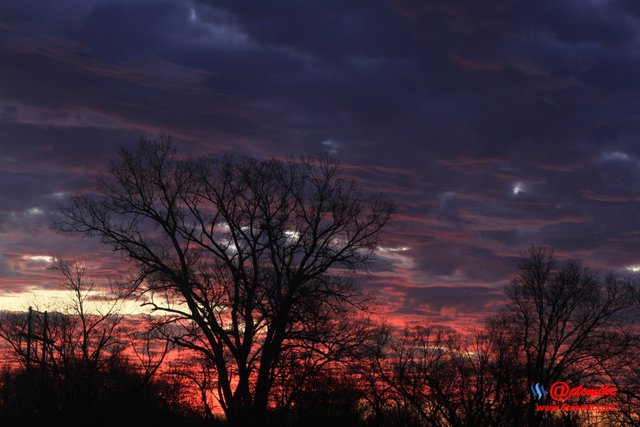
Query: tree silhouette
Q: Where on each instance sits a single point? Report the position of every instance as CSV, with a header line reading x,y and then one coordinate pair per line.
x,y
250,257
78,339
438,379
563,323
76,370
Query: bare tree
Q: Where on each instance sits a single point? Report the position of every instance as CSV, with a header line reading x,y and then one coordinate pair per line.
x,y
385,406
149,345
75,334
197,376
625,373
443,379
564,323
330,343
72,345
85,337
247,255
90,336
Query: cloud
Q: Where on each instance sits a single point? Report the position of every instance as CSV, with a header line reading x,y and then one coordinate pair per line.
x,y
445,107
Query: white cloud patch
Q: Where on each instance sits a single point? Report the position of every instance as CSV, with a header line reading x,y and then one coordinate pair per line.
x,y
40,258
616,156
35,211
518,188
330,146
397,256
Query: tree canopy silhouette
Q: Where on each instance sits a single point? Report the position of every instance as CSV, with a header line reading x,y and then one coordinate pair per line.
x,y
252,257
565,322
76,365
561,321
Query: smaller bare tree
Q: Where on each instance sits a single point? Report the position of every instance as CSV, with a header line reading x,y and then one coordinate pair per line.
x,y
75,334
445,380
564,322
92,335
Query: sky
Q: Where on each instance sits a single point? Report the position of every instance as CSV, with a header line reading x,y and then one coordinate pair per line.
x,y
493,125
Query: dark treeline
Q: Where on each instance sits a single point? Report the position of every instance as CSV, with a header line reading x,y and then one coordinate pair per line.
x,y
562,322
87,365
114,394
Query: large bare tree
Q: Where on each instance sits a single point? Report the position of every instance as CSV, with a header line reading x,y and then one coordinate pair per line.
x,y
252,257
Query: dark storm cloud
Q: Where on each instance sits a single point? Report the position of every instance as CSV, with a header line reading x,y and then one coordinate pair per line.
x,y
492,124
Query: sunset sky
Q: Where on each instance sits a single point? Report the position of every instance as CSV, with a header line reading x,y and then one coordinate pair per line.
x,y
492,124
